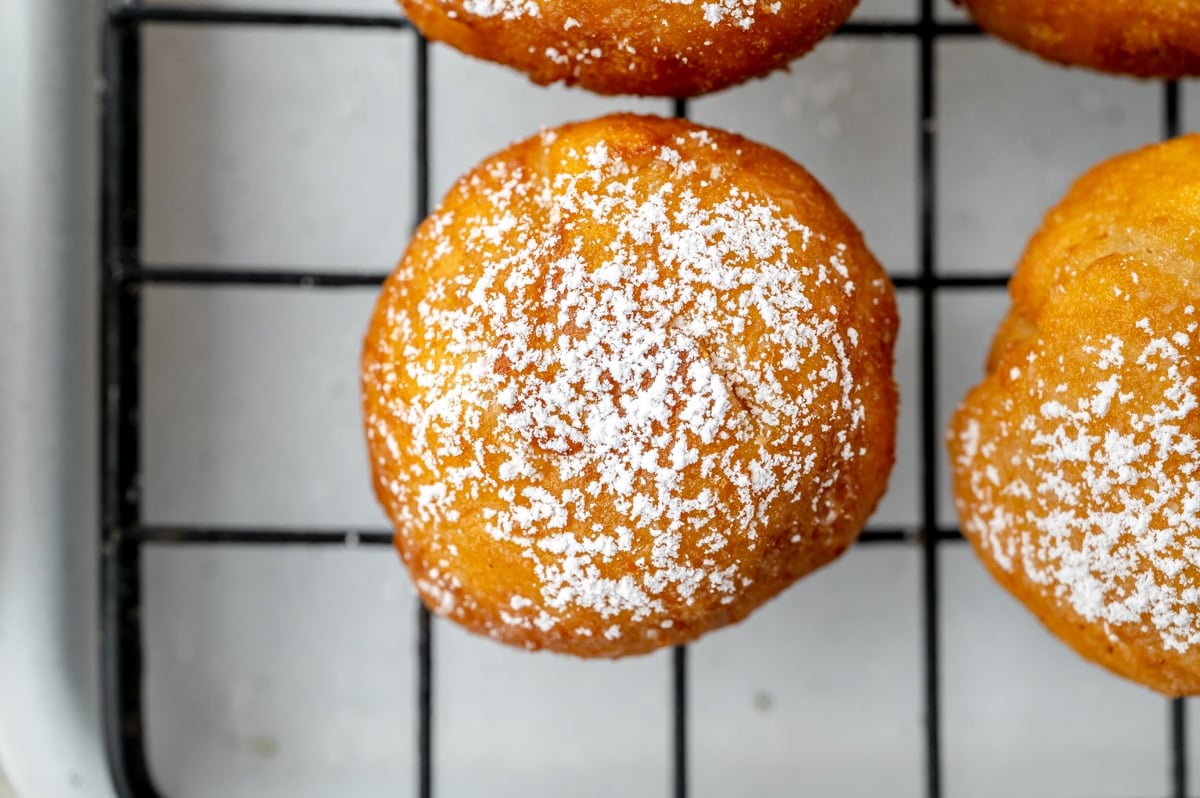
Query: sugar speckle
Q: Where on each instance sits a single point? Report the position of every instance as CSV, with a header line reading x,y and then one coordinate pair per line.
x,y
740,13
505,9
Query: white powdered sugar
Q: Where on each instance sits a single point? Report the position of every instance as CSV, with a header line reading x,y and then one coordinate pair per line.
x,y
505,9
620,406
1113,516
737,12
716,12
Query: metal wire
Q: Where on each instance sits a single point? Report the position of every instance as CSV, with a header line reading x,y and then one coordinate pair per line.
x,y
120,505
424,624
679,656
123,274
234,276
1178,711
931,435
178,534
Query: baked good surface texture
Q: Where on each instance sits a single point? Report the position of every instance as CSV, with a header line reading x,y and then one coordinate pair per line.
x,y
1076,468
630,380
669,48
1145,38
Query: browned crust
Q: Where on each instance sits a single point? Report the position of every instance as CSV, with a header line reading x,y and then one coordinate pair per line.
x,y
668,50
1143,38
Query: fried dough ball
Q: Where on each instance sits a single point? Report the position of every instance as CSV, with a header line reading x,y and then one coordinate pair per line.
x,y
1076,468
632,378
666,48
1144,38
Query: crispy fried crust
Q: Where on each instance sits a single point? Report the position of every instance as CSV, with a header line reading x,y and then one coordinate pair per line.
x,y
667,48
1076,468
631,379
1145,38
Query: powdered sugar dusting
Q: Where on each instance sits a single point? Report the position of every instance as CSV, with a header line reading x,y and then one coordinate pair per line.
x,y
716,12
621,406
1112,518
736,12
505,9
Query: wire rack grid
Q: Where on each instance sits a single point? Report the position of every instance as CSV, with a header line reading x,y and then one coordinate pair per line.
x,y
124,273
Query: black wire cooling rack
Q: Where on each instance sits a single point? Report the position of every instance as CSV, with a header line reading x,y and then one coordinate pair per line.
x,y
124,273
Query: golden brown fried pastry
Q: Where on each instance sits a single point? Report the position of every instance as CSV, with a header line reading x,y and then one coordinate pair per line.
x,y
1076,469
667,48
1146,38
631,379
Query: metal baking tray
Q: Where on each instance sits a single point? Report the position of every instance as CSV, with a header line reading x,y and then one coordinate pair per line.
x,y
279,163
